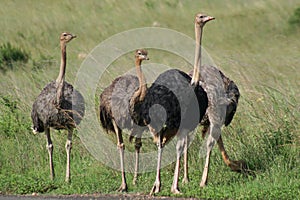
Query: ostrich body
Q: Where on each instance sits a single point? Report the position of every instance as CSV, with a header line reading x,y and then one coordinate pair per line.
x,y
218,112
173,106
58,106
177,114
116,101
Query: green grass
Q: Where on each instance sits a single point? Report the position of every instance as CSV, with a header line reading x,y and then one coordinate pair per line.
x,y
253,43
10,54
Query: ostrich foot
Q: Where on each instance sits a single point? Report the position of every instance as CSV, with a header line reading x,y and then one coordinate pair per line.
x,y
175,190
67,180
134,181
203,181
238,166
122,188
204,178
185,181
155,189
203,184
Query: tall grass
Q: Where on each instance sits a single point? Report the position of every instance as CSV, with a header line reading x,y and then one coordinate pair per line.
x,y
251,42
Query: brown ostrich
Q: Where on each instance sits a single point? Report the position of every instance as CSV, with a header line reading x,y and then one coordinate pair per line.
x,y
116,101
58,106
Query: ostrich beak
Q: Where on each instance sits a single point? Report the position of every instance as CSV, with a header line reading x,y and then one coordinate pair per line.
x,y
210,18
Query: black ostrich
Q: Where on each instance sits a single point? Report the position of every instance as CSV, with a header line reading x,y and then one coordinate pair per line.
x,y
173,106
59,106
116,101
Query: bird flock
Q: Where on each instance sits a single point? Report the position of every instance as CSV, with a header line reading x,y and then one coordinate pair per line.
x,y
174,105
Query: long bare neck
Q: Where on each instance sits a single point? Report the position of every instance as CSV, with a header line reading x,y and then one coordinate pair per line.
x,y
62,71
140,94
61,76
197,62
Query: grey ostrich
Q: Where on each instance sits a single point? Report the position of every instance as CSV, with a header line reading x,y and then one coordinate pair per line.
x,y
232,94
173,107
223,95
116,101
58,106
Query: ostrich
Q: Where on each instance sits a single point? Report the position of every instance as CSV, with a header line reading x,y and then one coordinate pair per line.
x,y
223,95
232,93
173,106
59,106
116,101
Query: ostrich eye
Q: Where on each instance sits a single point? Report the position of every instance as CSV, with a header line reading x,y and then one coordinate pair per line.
x,y
65,34
139,53
201,17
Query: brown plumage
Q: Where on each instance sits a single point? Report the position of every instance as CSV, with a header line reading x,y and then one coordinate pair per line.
x,y
116,103
58,106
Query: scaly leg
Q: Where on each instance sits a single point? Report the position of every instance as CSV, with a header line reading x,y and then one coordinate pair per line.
x,y
156,185
123,187
50,152
68,150
185,161
213,133
237,166
179,149
138,145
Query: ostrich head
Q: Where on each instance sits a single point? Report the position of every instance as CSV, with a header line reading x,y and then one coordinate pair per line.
x,y
201,19
141,54
66,37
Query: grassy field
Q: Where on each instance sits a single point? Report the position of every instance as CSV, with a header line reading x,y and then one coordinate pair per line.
x,y
253,43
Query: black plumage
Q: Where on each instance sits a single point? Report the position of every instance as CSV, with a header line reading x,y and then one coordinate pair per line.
x,y
181,105
174,105
233,94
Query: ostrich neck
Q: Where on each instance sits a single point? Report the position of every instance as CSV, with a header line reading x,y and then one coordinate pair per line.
x,y
140,94
61,76
62,71
197,63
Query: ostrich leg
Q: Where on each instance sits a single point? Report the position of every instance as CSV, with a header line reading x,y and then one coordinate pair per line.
x,y
138,145
236,166
68,150
50,151
185,161
123,187
179,149
214,132
156,185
